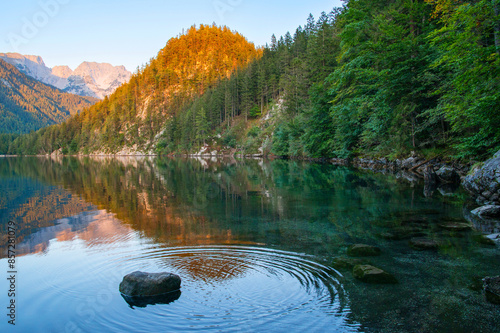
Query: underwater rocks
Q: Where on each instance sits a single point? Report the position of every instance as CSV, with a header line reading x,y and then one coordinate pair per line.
x,y
372,274
363,250
492,289
141,284
424,244
347,263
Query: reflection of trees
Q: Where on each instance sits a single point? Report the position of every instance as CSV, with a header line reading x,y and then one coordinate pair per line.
x,y
185,202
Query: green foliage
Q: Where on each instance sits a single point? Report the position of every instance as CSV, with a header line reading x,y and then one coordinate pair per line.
x,y
469,41
255,112
254,132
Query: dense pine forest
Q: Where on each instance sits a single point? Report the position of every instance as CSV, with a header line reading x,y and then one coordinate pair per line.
x,y
373,78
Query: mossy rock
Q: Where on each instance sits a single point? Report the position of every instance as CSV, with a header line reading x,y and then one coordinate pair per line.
x,y
363,250
372,274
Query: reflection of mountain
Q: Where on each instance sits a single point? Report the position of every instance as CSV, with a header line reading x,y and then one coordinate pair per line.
x,y
95,228
33,205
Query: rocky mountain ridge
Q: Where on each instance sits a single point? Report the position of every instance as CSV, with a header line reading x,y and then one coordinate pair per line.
x,y
88,79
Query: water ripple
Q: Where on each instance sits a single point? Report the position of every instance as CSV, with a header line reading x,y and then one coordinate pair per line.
x,y
229,288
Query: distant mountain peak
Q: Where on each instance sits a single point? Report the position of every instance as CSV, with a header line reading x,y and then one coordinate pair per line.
x,y
88,79
34,58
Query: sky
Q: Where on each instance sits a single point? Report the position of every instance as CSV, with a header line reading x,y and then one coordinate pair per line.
x,y
130,33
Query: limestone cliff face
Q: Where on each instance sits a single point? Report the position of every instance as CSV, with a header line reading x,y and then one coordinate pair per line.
x,y
88,79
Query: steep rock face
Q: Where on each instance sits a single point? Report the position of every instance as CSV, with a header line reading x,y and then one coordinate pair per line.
x,y
62,71
103,79
89,79
484,183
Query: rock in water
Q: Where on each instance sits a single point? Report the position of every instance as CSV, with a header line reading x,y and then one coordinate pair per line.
x,y
492,289
140,284
372,274
347,263
363,250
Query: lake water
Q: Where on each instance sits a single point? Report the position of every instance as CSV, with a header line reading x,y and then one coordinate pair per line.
x,y
253,241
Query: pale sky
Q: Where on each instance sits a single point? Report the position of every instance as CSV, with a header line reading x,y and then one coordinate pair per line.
x,y
129,33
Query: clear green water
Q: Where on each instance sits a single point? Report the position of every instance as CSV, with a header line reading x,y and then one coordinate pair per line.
x,y
253,241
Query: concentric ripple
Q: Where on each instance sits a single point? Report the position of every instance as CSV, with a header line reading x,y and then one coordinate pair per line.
x,y
236,288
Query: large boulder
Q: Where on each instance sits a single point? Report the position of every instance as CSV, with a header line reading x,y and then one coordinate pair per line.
x,y
372,274
492,289
363,250
484,182
141,284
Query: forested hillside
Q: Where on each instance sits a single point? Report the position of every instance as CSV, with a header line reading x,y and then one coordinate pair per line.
x,y
132,116
374,78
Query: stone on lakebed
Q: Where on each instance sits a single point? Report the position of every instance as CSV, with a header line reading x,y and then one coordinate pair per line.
x,y
372,274
363,250
347,263
424,244
141,284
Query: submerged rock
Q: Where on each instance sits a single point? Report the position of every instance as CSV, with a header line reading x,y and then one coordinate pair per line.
x,y
424,244
492,289
372,274
140,284
363,250
347,263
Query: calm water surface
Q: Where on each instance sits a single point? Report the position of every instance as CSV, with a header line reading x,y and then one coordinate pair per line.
x,y
253,241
